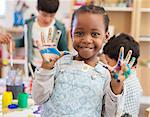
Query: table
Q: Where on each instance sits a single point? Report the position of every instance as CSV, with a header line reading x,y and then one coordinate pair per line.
x,y
26,112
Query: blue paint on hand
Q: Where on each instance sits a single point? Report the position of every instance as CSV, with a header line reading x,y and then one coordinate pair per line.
x,y
50,50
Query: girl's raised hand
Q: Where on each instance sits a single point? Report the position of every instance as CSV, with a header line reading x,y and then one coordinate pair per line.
x,y
49,52
122,69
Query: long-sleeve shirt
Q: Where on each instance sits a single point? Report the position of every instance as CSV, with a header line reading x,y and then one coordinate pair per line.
x,y
133,94
75,89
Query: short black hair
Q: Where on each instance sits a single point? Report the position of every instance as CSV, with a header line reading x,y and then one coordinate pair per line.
x,y
112,47
49,6
91,9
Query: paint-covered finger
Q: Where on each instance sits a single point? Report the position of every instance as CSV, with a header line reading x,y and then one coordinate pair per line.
x,y
120,58
127,59
132,62
42,38
49,44
49,41
49,34
121,53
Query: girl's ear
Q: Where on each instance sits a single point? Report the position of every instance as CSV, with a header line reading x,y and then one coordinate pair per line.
x,y
107,34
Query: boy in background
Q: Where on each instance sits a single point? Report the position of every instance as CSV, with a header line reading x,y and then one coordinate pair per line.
x,y
132,84
44,23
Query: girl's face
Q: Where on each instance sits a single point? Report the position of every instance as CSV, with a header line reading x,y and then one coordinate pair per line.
x,y
45,19
88,34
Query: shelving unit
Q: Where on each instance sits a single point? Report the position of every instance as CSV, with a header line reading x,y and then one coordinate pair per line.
x,y
19,61
119,9
118,18
23,60
144,40
121,17
145,10
133,20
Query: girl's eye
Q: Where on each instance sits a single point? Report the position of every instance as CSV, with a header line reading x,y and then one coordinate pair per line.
x,y
79,33
95,34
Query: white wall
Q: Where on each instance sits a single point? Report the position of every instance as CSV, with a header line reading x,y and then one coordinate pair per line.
x,y
7,19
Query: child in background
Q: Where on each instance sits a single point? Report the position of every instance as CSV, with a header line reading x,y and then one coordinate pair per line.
x,y
46,23
79,85
132,84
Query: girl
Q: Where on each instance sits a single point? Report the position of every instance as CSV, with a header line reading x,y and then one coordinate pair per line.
x,y
78,85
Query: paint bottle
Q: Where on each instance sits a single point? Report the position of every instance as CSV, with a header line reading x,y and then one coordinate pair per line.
x,y
7,99
23,100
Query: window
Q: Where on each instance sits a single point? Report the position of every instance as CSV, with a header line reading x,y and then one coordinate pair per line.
x,y
2,7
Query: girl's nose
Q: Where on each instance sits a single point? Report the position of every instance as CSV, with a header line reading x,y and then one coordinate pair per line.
x,y
88,39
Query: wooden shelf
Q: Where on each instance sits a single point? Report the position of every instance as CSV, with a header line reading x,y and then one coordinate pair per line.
x,y
145,10
144,38
19,61
145,100
115,9
119,9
